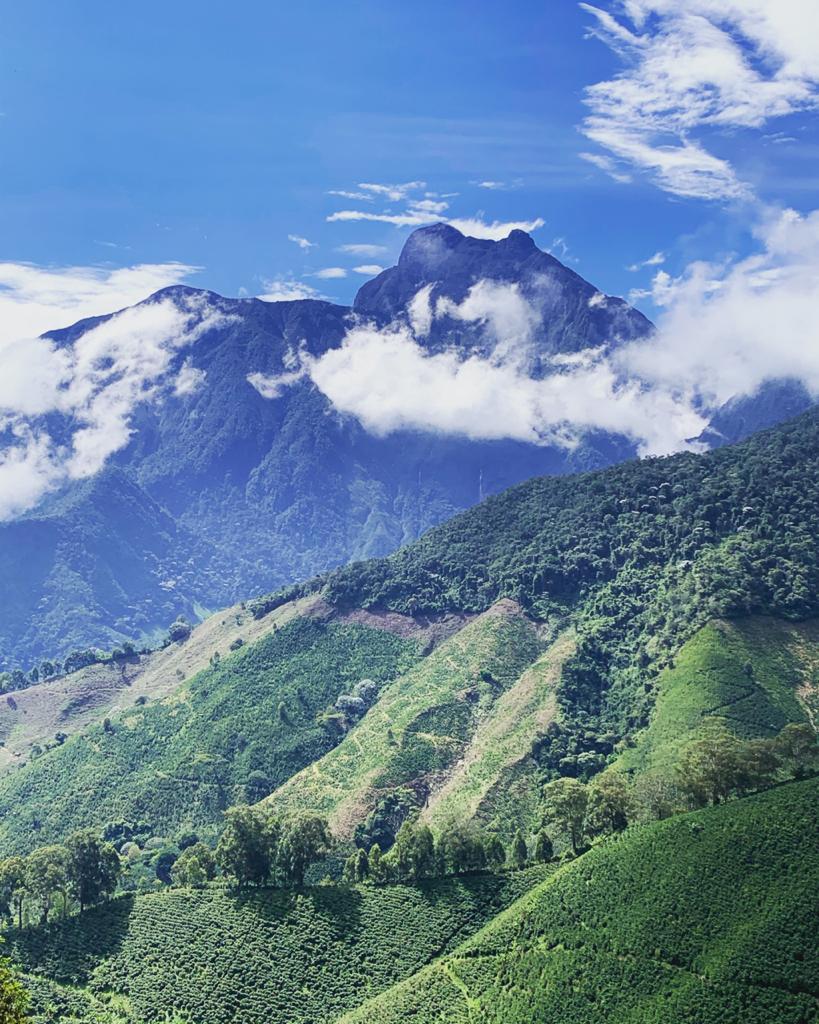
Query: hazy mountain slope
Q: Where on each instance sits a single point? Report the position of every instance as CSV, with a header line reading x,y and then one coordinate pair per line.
x,y
222,493
266,958
706,917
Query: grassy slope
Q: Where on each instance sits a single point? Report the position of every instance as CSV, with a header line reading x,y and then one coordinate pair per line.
x,y
755,675
179,762
432,713
496,781
71,703
706,918
272,957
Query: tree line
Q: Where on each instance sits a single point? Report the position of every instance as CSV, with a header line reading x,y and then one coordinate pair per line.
x,y
82,872
715,767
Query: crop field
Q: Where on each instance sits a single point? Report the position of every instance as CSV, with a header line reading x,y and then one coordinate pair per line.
x,y
707,917
179,762
422,722
271,957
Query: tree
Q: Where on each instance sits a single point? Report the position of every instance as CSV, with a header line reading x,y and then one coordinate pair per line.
x,y
248,845
713,767
797,746
93,867
356,867
194,867
13,997
495,852
544,851
12,888
461,850
564,807
45,876
518,852
414,851
610,804
375,864
305,840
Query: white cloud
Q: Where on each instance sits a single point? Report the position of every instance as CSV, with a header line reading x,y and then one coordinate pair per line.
x,y
92,386
36,299
285,289
272,386
189,380
301,242
491,185
653,261
409,219
703,65
357,249
389,382
495,230
331,273
507,316
345,194
605,163
725,329
393,192
368,269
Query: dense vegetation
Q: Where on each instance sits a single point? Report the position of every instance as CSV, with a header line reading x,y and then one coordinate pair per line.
x,y
707,917
232,734
267,957
639,556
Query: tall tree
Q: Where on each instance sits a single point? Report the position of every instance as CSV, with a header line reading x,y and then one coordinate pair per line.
x,y
93,867
46,876
518,853
564,807
13,888
610,804
305,840
249,843
13,996
544,851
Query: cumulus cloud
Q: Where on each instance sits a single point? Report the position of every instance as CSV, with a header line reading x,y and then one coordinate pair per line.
x,y
495,230
368,269
189,380
302,242
706,65
726,328
36,299
92,386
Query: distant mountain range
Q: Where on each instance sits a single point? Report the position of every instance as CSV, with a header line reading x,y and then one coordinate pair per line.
x,y
224,492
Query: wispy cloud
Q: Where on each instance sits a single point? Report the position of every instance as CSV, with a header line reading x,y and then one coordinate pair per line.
x,y
330,273
477,227
702,66
358,249
653,261
301,242
368,269
285,289
393,192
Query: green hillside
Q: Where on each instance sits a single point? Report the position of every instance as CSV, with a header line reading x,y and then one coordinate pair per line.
x,y
422,722
706,918
753,675
272,957
234,732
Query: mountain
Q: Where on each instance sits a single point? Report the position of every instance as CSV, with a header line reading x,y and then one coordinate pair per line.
x,y
652,627
554,628
221,492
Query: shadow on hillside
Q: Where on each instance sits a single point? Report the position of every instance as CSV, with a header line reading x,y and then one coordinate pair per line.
x,y
339,907
69,950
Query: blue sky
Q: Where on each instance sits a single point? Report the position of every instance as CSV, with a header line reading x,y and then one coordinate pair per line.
x,y
665,150
173,132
